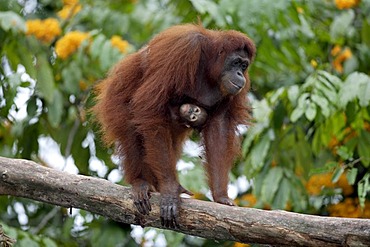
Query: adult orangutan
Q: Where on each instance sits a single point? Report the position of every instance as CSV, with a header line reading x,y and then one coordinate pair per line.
x,y
183,64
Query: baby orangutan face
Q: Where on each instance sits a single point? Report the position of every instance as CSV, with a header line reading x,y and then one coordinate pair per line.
x,y
193,115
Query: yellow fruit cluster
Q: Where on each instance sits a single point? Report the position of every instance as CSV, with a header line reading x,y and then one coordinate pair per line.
x,y
318,182
69,43
70,2
346,4
119,43
313,63
45,30
340,55
70,8
247,200
237,244
350,208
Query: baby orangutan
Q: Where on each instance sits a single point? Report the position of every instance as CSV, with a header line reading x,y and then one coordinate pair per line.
x,y
192,116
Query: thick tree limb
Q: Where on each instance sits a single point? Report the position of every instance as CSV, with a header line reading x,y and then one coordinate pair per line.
x,y
27,179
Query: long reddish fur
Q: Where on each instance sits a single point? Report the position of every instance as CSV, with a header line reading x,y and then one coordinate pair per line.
x,y
132,102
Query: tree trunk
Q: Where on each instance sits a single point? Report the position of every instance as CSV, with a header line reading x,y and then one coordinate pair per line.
x,y
23,178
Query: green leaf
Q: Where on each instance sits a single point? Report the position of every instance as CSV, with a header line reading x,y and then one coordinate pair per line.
x,y
282,195
31,106
12,21
27,242
350,65
279,116
365,31
107,235
261,110
344,153
193,179
49,242
336,124
351,175
252,133
356,85
259,152
271,184
106,59
296,114
330,94
207,6
364,148
302,152
305,27
337,173
96,46
311,111
45,80
14,80
317,141
328,167
303,100
325,82
299,199
331,78
342,26
72,75
27,58
200,6
293,93
81,155
322,102
364,93
55,109
363,188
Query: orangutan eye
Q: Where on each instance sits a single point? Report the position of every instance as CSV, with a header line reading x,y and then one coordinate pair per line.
x,y
244,66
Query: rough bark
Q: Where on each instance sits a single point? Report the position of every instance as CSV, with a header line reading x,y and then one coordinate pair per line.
x,y
22,178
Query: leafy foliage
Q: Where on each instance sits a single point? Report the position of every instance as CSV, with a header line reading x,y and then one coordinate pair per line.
x,y
307,150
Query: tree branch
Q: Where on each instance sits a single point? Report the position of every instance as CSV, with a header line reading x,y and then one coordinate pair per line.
x,y
27,179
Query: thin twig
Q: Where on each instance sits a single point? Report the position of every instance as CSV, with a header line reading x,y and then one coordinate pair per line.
x,y
45,220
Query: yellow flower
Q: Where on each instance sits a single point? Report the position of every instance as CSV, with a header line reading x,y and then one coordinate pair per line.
x,y
248,200
338,66
313,63
70,8
119,43
350,208
69,43
274,163
335,51
319,181
199,196
341,56
346,54
367,126
342,183
333,143
70,2
346,4
69,11
300,10
45,30
237,244
83,85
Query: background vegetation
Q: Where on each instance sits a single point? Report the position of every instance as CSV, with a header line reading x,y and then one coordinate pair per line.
x,y
308,150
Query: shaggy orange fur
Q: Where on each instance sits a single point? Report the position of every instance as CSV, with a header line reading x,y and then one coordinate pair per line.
x,y
183,63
